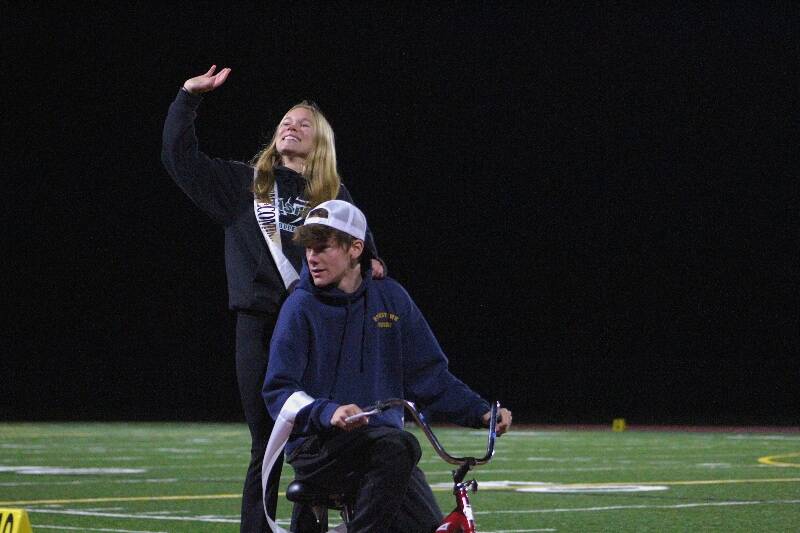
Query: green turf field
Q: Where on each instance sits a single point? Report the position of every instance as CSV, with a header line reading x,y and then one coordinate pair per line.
x,y
186,478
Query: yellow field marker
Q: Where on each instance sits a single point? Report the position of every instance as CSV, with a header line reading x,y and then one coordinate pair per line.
x,y
14,521
771,460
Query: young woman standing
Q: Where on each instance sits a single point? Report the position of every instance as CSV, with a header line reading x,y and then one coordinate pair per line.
x,y
259,206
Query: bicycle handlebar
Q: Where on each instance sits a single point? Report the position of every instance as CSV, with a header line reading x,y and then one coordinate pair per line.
x,y
437,446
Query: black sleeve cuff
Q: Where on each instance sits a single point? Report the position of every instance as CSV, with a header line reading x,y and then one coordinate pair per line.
x,y
187,98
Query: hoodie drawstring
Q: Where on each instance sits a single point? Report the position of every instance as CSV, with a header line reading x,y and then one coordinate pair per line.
x,y
363,331
341,349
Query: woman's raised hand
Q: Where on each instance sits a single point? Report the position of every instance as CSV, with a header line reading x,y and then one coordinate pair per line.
x,y
206,82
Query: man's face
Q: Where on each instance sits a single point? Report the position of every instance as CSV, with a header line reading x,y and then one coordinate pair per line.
x,y
296,133
329,262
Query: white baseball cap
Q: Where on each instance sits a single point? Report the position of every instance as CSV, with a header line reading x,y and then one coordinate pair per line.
x,y
340,215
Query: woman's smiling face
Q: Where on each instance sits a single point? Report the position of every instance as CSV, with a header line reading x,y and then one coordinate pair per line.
x,y
296,133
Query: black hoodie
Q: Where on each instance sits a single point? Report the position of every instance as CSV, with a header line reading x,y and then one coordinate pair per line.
x,y
223,189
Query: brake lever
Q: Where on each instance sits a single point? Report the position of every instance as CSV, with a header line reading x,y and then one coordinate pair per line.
x,y
362,414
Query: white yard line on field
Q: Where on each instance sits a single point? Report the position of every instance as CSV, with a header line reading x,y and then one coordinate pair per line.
x,y
183,497
48,483
763,437
137,516
539,470
69,471
519,530
624,507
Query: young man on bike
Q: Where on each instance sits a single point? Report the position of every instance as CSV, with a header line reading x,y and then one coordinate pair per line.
x,y
343,342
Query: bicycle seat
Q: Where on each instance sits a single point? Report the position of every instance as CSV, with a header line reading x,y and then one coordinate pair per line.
x,y
319,501
302,492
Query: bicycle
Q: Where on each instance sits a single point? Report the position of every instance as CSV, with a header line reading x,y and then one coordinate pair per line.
x,y
459,520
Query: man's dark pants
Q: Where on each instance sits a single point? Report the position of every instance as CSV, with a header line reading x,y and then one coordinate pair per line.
x,y
380,465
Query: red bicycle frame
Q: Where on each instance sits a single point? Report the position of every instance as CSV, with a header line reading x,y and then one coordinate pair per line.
x,y
460,520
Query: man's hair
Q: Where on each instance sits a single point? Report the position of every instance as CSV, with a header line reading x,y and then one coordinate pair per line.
x,y
312,235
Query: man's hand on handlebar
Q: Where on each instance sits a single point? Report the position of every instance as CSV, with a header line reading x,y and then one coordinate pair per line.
x,y
503,420
339,418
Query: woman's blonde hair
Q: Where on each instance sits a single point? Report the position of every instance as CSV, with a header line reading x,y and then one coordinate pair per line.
x,y
322,178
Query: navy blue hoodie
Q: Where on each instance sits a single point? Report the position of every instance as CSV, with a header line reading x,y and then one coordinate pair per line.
x,y
360,348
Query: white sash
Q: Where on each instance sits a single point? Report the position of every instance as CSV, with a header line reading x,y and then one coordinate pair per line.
x,y
277,440
268,216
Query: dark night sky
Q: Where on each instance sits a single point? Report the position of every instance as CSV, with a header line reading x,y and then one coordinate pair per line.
x,y
595,207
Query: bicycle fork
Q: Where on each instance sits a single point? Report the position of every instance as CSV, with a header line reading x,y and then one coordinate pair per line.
x,y
460,520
